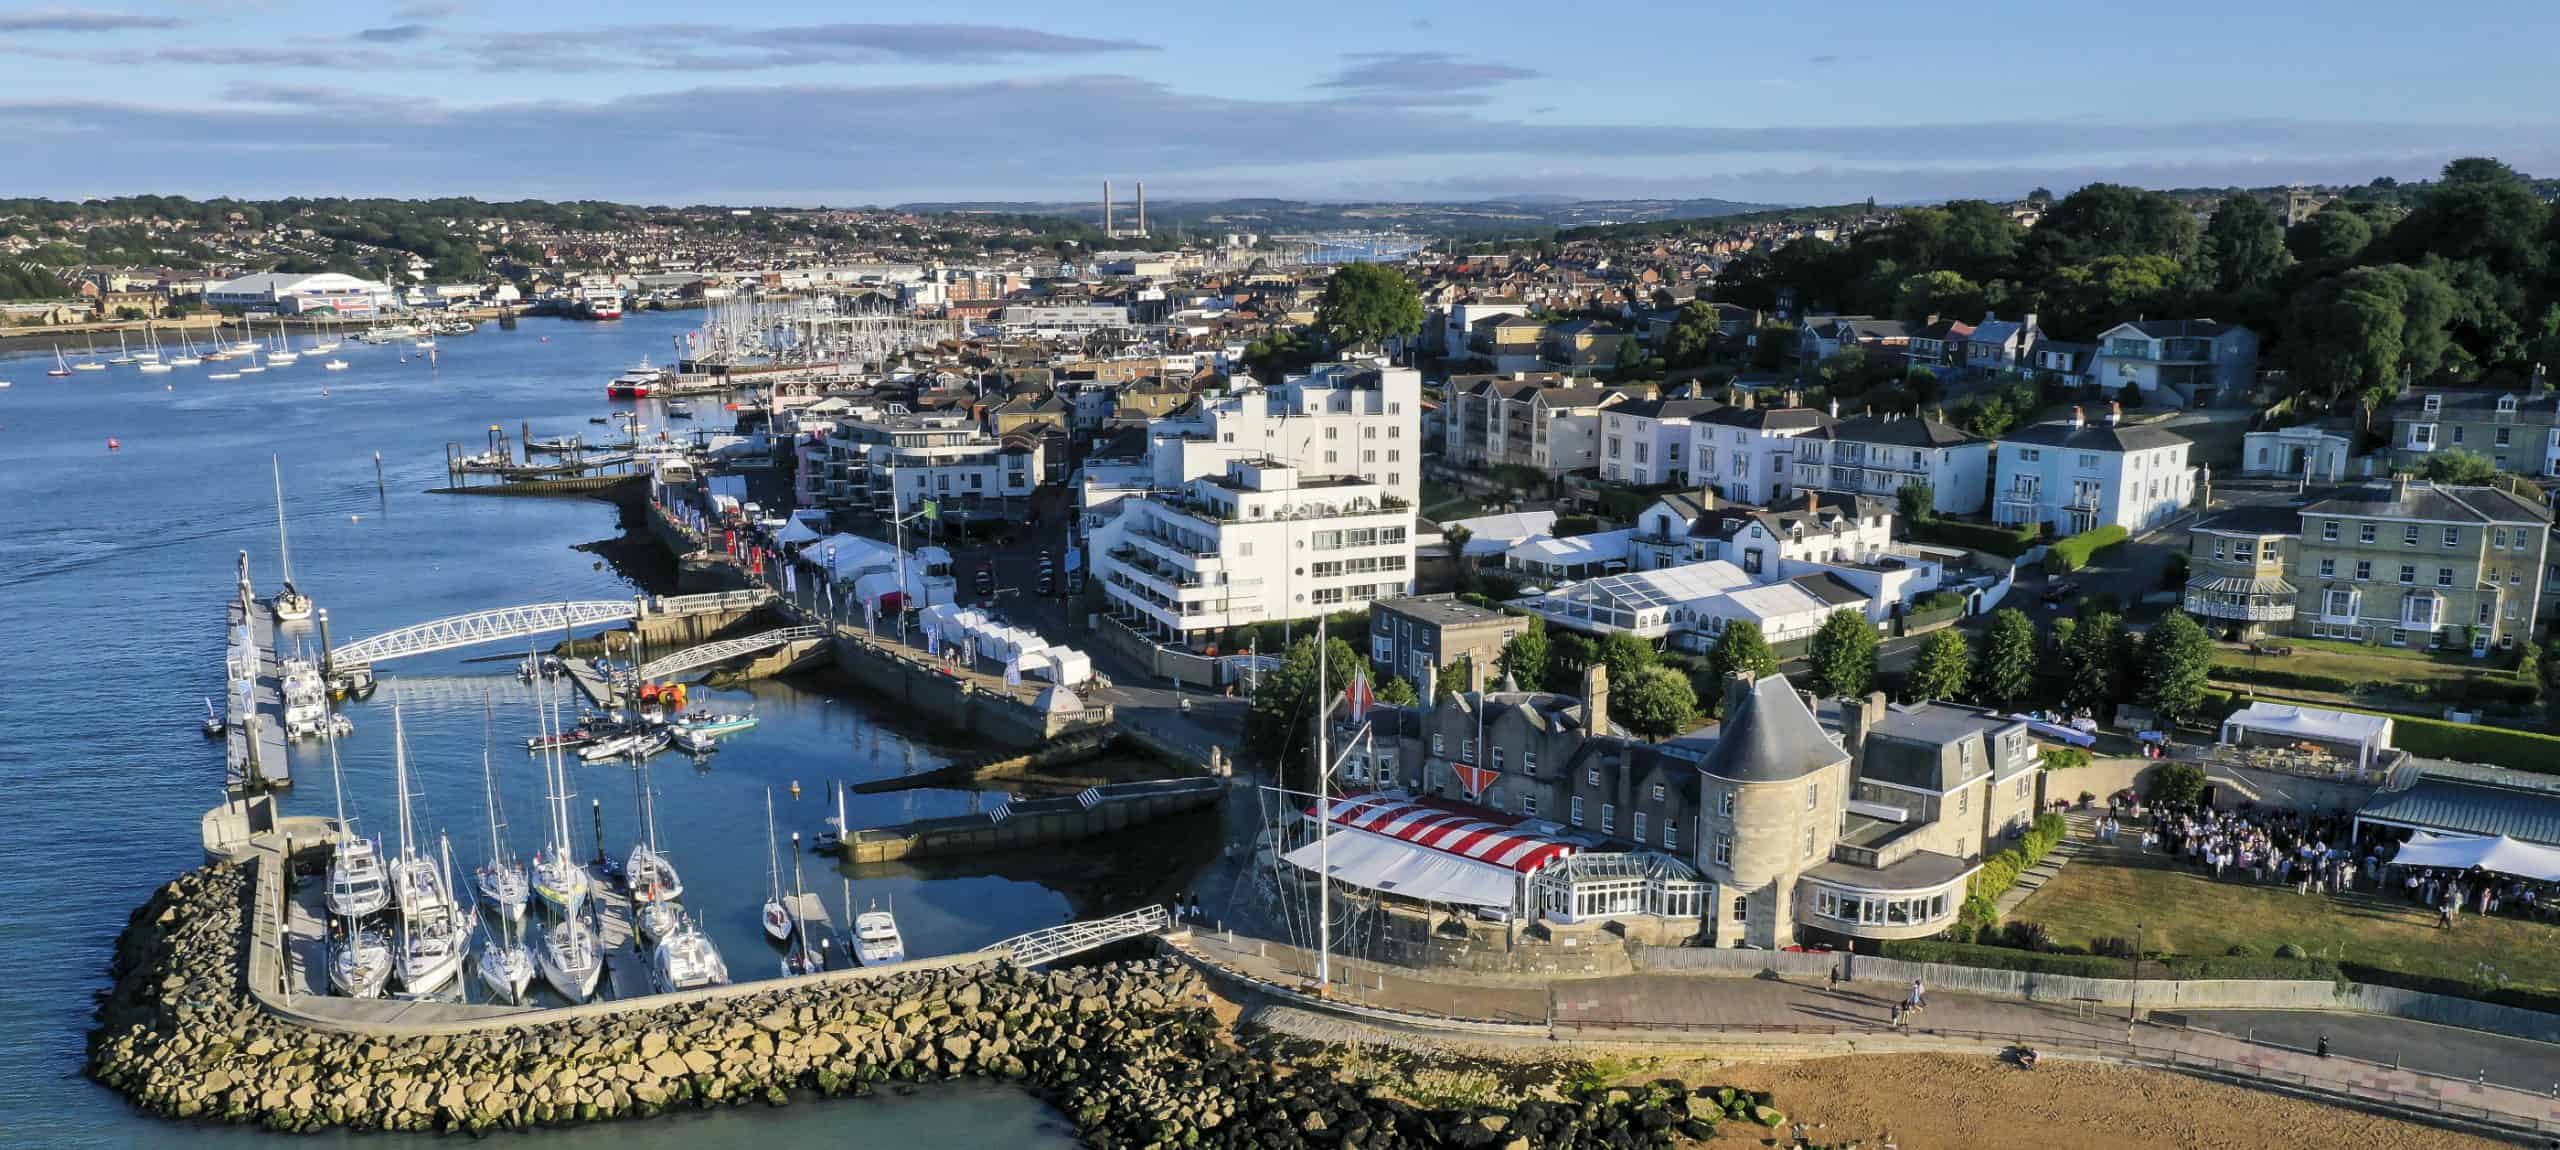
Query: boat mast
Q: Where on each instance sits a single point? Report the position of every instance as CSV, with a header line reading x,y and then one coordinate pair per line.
x,y
283,547
489,788
400,781
1324,818
772,855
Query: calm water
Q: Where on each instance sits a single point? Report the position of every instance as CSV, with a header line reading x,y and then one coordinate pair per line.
x,y
114,566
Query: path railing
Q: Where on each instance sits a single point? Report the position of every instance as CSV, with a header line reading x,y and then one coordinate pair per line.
x,y
1066,939
724,650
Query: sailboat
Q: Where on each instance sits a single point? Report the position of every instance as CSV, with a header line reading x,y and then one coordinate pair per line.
x,y
251,367
648,872
416,884
431,941
91,363
801,958
505,964
187,357
283,355
777,917
571,960
248,341
124,355
557,878
290,604
501,881
61,367
327,341
359,961
685,959
150,354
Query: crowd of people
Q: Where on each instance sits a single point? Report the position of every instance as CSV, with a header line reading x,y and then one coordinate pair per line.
x,y
2317,853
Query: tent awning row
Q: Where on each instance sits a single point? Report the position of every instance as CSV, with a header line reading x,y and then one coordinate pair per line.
x,y
1464,832
1392,866
2488,852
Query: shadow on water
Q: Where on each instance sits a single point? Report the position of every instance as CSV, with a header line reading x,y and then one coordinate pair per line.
x,y
1107,875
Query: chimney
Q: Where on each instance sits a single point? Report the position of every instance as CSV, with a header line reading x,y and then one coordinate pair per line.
x,y
1812,501
2029,323
1475,678
1595,698
2400,487
1835,407
1737,687
2115,413
2079,418
1791,398
1142,207
1860,716
1430,685
1106,209
1707,497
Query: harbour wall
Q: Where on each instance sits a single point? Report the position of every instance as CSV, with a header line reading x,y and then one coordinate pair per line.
x,y
1037,822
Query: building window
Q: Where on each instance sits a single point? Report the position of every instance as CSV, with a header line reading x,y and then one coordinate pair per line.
x,y
1671,834
2329,531
1608,818
1657,792
1724,850
1741,908
2444,576
1591,776
1438,747
1497,757
2408,574
2364,533
2328,568
1813,796
1808,842
1529,761
1964,800
1467,751
1528,805
2364,570
1575,810
1639,824
2409,535
2453,537
1724,802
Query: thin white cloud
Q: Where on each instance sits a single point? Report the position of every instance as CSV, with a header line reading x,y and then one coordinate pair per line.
x,y
1421,77
721,48
395,34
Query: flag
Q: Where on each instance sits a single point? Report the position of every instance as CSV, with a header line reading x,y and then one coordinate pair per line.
x,y
1475,779
1013,672
933,642
871,613
1359,696
790,578
932,509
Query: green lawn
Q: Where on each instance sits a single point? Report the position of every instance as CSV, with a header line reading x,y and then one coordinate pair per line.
x,y
2183,912
2356,662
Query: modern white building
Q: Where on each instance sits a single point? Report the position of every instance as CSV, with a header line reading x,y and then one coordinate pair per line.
x,y
1819,528
1879,455
1647,442
1058,321
2193,358
1259,543
1358,420
2078,475
2309,452
1748,453
895,460
1690,606
293,293
1543,421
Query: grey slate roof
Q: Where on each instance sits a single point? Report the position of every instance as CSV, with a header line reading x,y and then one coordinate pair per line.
x,y
2471,808
2254,519
1771,738
1667,408
2180,328
2427,500
1894,432
2095,435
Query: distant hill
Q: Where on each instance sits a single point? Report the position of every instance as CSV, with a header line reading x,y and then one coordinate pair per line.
x,y
1528,215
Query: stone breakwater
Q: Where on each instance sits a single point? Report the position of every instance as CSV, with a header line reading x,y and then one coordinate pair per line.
x,y
1131,1052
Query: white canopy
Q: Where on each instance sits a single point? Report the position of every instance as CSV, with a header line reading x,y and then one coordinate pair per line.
x,y
2366,733
1574,550
797,531
2496,853
1393,866
1064,666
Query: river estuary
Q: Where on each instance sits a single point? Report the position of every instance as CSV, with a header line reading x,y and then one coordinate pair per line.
x,y
114,565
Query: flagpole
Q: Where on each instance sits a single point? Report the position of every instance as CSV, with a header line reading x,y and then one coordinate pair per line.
x,y
1324,819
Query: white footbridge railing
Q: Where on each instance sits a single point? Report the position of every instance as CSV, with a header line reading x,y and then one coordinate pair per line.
x,y
708,654
1053,943
478,627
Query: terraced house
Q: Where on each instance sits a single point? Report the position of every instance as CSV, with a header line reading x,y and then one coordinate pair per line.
x,y
1539,420
2517,429
2405,562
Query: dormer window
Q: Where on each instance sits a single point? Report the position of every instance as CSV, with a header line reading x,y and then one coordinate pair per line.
x,y
2434,404
2506,405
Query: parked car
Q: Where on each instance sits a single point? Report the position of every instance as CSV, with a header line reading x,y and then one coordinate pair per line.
x,y
2062,589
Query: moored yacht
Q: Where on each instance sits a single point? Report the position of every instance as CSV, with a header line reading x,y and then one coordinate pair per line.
x,y
686,960
432,941
570,959
876,941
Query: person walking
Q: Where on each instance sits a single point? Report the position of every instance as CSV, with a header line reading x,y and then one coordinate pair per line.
x,y
1918,1001
1833,978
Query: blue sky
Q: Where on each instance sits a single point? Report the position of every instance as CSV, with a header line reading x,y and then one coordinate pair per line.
x,y
790,102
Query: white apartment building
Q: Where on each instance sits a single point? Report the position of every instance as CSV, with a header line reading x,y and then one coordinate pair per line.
x,y
1360,420
1542,420
1880,455
1682,529
1057,321
1258,543
1646,442
2077,475
892,461
1748,453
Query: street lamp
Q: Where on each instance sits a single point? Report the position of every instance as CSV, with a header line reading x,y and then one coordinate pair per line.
x,y
2133,1010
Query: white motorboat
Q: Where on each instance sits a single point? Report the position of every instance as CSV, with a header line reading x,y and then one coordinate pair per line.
x,y
360,964
505,966
777,917
334,365
570,959
657,920
686,960
214,727
432,942
679,410
306,699
875,938
416,884
501,881
557,878
610,747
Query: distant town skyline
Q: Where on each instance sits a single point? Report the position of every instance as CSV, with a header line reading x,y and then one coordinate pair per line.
x,y
803,103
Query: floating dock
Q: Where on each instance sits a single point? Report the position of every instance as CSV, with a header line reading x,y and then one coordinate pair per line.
x,y
253,734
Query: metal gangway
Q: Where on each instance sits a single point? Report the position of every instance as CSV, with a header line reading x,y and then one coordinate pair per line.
x,y
742,600
692,658
1053,943
481,627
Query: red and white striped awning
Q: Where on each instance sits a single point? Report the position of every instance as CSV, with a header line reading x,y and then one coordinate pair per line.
x,y
1447,827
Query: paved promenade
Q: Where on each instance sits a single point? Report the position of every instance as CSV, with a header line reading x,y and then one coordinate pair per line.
x,y
2410,1065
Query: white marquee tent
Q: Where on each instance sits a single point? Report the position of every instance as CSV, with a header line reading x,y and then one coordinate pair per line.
x,y
2488,852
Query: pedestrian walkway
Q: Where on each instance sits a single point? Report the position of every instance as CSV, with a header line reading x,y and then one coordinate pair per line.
x,y
1760,1012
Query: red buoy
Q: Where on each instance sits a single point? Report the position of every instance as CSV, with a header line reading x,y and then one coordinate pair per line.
x,y
112,445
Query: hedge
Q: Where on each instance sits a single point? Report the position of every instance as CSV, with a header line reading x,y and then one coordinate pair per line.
x,y
2471,743
2006,542
2074,552
2482,689
2176,967
2001,871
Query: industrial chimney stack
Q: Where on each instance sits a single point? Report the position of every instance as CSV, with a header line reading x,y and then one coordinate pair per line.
x,y
1142,207
1106,209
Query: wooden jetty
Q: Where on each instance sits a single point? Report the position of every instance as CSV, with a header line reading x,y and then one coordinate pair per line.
x,y
591,682
253,740
626,955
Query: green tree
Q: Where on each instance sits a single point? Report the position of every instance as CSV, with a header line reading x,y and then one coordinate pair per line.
x,y
2006,672
1741,649
2458,465
2245,243
1656,704
1693,335
1364,303
2178,784
2176,654
2333,238
1568,652
2114,220
1944,294
1280,718
1525,657
1625,654
1450,681
1943,669
1398,692
2092,674
1917,501
1843,655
